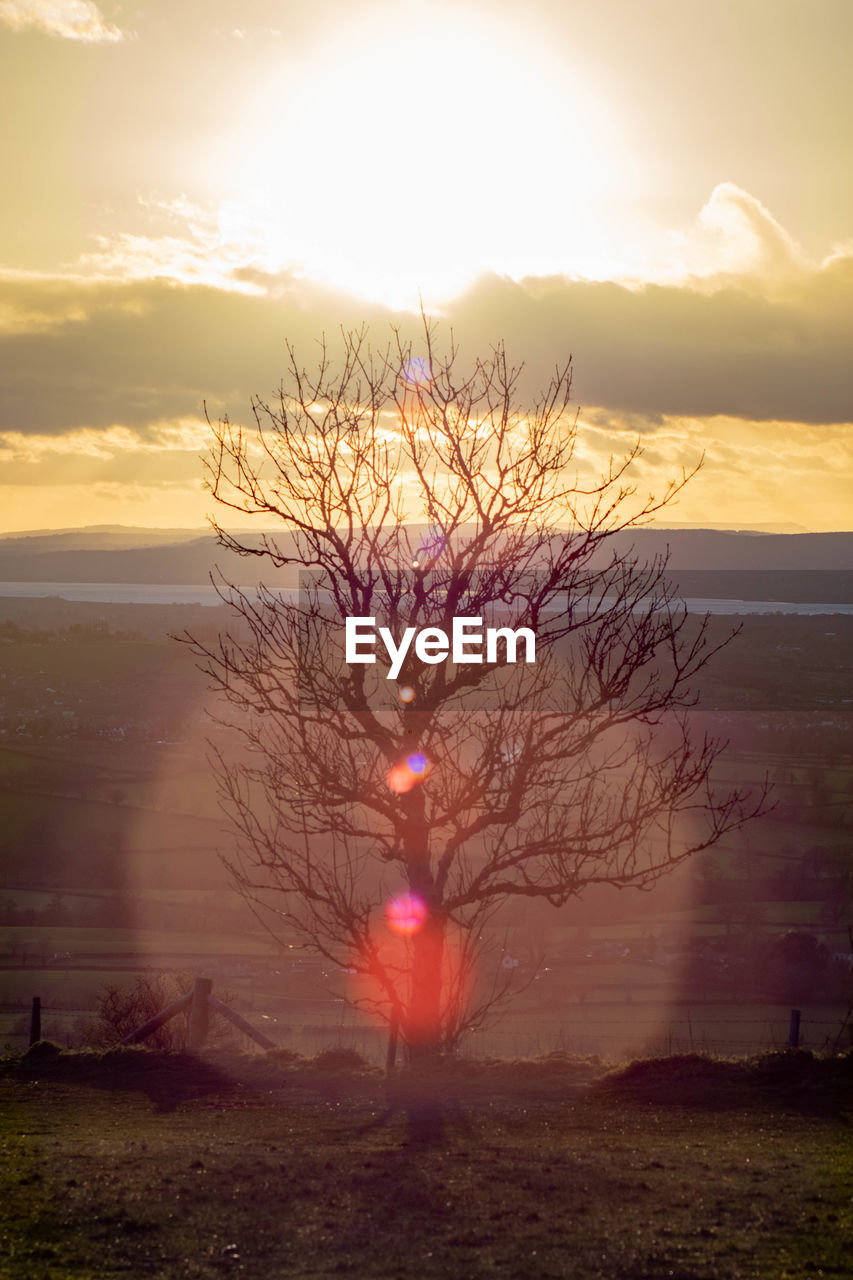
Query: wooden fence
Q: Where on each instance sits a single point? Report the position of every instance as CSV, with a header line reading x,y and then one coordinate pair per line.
x,y
201,1003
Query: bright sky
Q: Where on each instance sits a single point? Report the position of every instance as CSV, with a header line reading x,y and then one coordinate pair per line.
x,y
663,188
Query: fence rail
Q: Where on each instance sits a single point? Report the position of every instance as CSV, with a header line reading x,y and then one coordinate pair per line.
x,y
634,1030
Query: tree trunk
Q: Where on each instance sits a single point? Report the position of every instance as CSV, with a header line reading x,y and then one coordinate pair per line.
x,y
423,1016
422,1027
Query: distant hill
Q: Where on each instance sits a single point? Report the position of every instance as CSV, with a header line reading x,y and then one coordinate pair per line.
x,y
732,565
100,537
724,549
784,527
131,556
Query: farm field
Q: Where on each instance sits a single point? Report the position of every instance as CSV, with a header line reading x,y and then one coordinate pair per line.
x,y
622,1015
539,1171
110,840
71,942
615,1030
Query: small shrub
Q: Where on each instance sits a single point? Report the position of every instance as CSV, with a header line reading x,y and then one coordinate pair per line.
x,y
121,1009
283,1056
339,1058
43,1049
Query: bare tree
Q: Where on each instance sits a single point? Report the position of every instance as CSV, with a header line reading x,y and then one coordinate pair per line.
x,y
413,490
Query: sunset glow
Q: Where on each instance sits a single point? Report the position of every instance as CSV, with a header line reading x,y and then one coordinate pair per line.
x,y
400,154
426,638
537,178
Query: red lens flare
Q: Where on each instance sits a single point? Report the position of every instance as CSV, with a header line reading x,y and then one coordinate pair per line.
x,y
401,779
408,774
404,917
406,914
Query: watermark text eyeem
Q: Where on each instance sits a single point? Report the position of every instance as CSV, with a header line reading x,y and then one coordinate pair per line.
x,y
433,645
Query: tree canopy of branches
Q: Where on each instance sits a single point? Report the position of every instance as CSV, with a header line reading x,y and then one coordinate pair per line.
x,y
387,821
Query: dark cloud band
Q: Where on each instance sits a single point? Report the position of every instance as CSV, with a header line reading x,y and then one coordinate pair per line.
x,y
79,354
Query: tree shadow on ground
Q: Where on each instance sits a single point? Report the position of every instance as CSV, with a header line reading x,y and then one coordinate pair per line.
x,y
168,1079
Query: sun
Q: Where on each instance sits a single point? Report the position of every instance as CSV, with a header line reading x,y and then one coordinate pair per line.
x,y
419,147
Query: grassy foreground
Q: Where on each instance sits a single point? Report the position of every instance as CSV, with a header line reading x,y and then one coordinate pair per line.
x,y
138,1164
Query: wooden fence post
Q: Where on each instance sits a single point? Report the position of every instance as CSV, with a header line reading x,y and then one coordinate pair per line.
x,y
35,1020
794,1030
200,1003
199,1013
240,1023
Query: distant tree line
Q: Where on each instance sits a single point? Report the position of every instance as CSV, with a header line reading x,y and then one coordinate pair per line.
x,y
98,631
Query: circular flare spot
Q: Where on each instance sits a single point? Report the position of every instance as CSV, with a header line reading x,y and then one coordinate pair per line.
x,y
401,779
406,913
406,775
417,372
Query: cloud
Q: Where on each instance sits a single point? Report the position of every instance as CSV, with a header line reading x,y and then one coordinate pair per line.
x,y
94,353
151,326
141,352
196,245
68,19
733,241
734,236
759,241
736,349
93,501
181,435
165,455
753,472
110,394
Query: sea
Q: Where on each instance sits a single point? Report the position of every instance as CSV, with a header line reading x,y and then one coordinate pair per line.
x,y
205,594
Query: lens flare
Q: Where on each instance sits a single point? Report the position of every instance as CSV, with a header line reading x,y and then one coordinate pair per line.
x,y
433,544
417,372
413,770
401,779
406,913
